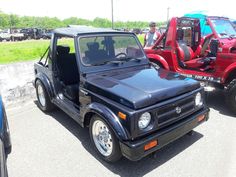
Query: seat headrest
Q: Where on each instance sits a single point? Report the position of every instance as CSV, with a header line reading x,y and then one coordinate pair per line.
x,y
93,45
63,50
179,34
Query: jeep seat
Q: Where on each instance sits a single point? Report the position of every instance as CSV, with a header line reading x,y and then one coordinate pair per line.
x,y
184,52
94,55
186,57
68,72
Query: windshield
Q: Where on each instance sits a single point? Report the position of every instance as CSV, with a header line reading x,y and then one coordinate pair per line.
x,y
223,28
102,50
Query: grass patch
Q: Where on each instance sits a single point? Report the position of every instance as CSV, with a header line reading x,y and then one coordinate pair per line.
x,y
30,50
141,38
22,51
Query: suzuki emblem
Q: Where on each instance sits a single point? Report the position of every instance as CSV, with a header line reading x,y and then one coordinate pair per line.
x,y
178,110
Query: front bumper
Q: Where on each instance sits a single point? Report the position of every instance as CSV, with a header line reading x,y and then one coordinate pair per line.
x,y
134,150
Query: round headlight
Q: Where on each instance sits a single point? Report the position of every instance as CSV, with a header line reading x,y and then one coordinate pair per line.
x,y
198,99
144,120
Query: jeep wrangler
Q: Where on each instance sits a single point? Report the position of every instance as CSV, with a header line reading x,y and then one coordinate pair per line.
x,y
103,80
182,49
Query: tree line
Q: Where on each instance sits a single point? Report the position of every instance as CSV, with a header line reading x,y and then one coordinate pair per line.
x,y
15,21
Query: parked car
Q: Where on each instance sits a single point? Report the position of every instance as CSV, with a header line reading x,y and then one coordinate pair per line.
x,y
105,82
5,35
5,141
181,49
32,33
16,35
46,34
221,27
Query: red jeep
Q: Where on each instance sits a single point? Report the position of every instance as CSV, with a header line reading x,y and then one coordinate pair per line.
x,y
183,50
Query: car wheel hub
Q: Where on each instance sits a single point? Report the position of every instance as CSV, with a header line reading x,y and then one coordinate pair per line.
x,y
41,95
102,138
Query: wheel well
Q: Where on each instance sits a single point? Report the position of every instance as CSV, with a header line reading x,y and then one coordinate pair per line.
x,y
157,62
87,118
231,76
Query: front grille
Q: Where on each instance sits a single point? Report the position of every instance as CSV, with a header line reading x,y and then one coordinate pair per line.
x,y
173,112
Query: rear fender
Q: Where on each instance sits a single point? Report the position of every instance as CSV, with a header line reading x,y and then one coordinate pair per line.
x,y
108,116
44,79
159,59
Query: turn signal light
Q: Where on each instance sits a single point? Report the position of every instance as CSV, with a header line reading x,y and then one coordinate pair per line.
x,y
200,118
150,145
122,115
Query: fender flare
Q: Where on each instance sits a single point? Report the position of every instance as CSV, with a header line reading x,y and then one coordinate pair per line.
x,y
44,79
159,59
227,72
108,116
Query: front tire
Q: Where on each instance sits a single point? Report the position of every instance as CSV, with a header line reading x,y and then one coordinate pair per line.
x,y
44,101
155,64
231,96
104,140
3,157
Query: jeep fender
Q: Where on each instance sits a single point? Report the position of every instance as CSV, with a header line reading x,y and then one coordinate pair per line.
x,y
44,79
108,116
159,59
228,71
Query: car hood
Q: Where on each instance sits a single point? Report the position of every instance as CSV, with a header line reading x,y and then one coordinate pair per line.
x,y
139,88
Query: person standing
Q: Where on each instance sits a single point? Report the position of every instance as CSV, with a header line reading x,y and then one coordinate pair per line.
x,y
151,37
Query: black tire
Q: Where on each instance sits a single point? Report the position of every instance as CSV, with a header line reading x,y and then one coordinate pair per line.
x,y
156,64
3,155
116,152
7,138
231,96
47,106
6,133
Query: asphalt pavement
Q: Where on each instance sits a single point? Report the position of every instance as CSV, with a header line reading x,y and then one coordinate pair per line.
x,y
53,145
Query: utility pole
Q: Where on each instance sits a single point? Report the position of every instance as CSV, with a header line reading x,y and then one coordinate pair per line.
x,y
112,18
168,11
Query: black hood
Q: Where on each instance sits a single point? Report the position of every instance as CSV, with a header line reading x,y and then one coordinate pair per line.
x,y
140,88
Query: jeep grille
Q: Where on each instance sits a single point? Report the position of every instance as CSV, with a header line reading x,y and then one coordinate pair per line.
x,y
173,112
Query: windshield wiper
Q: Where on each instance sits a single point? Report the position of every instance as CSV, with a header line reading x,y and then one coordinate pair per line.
x,y
223,34
117,62
129,58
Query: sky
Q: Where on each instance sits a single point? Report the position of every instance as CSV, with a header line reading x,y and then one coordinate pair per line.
x,y
124,10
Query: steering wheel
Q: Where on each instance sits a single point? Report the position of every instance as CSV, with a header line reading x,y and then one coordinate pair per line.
x,y
119,54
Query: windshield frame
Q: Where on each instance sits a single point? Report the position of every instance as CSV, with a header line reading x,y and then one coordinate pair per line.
x,y
96,68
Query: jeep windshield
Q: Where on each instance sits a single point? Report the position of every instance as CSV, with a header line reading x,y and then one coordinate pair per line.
x,y
223,28
113,49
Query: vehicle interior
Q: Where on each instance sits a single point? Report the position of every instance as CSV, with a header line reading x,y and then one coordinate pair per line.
x,y
194,52
67,72
102,50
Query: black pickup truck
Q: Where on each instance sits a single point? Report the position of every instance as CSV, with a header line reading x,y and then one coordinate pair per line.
x,y
103,80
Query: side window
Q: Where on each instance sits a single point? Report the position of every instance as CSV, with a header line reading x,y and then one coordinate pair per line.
x,y
65,63
66,42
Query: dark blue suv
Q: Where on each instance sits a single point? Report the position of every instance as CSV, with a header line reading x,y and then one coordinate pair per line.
x,y
5,141
104,81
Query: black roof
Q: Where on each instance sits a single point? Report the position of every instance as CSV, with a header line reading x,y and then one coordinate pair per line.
x,y
75,30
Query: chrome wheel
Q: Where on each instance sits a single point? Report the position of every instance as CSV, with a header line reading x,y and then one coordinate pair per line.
x,y
102,138
41,95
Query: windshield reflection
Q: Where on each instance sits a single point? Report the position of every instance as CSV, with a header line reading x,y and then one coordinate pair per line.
x,y
223,28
